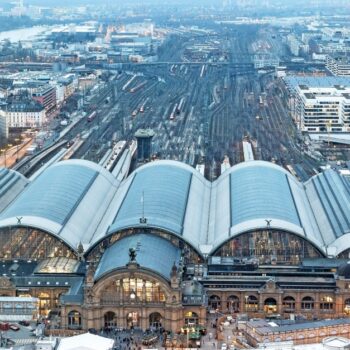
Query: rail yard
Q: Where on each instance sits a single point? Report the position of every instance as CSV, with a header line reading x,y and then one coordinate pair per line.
x,y
202,98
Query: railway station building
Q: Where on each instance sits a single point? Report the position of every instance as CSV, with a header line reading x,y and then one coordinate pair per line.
x,y
164,246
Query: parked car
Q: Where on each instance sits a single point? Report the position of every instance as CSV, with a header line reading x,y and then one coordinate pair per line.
x,y
14,327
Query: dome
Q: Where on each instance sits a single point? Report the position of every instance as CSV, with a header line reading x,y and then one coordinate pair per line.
x,y
344,270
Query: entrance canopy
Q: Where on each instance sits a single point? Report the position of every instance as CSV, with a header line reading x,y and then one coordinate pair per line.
x,y
86,341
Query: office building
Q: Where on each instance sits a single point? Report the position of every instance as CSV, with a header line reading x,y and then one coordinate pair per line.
x,y
338,65
320,104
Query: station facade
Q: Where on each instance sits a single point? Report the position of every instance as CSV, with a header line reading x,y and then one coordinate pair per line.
x,y
164,246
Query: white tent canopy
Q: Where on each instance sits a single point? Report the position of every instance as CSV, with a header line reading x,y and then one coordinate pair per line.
x,y
86,341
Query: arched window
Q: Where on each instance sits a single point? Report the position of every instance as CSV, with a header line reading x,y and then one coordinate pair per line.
x,y
23,243
251,303
133,319
74,320
214,302
44,303
233,303
269,247
109,319
347,306
155,320
270,305
288,304
139,289
307,303
191,318
326,303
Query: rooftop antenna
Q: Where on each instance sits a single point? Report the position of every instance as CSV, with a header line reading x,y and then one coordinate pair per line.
x,y
143,220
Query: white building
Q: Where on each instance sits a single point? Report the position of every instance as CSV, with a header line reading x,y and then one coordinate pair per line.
x,y
25,114
294,44
338,65
320,104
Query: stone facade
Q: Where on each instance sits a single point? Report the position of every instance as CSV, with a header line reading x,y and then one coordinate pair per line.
x,y
271,300
107,304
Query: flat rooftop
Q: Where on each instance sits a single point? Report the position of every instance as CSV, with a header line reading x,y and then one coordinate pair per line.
x,y
319,82
264,327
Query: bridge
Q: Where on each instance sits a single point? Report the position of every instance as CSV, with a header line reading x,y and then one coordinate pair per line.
x,y
27,65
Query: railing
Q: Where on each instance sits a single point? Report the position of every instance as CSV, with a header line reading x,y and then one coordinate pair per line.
x,y
113,300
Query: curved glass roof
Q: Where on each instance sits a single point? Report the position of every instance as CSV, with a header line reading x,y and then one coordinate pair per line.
x,y
11,184
153,253
261,192
54,194
81,202
7,180
159,194
329,195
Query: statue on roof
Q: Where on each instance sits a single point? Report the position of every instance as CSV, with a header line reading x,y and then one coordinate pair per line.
x,y
132,255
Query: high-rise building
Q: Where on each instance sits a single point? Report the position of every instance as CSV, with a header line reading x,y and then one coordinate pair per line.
x,y
4,130
46,96
144,143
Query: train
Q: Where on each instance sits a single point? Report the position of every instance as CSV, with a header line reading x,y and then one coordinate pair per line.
x,y
202,71
173,113
128,82
138,87
261,101
180,105
142,108
91,116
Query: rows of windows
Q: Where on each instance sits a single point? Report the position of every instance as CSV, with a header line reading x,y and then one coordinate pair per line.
x,y
251,304
133,290
132,318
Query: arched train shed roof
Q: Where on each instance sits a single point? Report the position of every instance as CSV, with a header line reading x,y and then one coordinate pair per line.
x,y
64,200
79,201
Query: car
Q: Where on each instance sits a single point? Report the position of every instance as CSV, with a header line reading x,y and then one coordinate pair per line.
x,y
14,327
24,323
223,346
